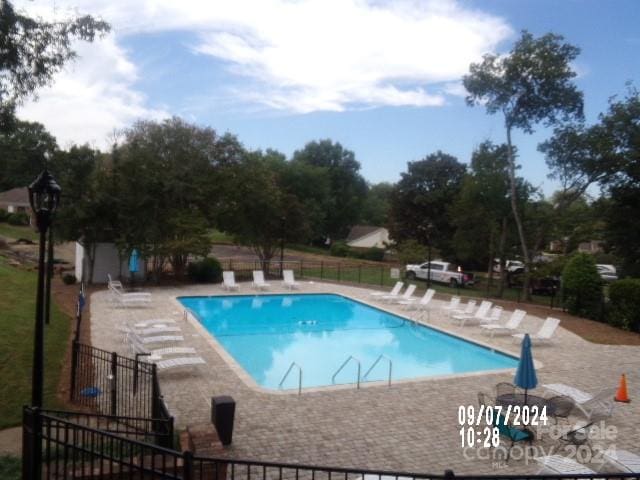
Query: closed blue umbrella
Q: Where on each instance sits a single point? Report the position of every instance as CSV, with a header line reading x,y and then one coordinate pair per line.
x,y
133,261
526,372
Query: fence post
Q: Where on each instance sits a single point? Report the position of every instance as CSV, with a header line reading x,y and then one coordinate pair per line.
x,y
155,391
321,270
29,444
114,383
187,465
74,370
359,273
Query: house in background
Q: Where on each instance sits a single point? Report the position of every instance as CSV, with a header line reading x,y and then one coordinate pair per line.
x,y
365,236
592,246
16,200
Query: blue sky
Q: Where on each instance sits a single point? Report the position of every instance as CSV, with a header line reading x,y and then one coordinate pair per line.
x,y
382,78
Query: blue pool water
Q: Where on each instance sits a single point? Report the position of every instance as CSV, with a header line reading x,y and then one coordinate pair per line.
x,y
265,333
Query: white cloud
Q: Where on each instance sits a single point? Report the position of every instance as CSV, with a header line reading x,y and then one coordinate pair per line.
x,y
92,96
291,55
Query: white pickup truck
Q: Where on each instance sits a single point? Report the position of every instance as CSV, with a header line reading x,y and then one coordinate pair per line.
x,y
440,271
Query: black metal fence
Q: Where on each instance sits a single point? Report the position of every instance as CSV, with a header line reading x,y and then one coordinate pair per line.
x,y
360,273
117,386
67,450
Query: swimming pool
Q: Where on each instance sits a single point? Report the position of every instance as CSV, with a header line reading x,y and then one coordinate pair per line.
x,y
266,333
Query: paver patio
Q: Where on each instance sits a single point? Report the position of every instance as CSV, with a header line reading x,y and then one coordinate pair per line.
x,y
412,426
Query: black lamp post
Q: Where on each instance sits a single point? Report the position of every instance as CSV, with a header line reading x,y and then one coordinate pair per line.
x,y
44,195
283,220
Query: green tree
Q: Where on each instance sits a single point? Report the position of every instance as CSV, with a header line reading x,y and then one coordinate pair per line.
x,y
582,286
32,51
23,150
375,210
347,187
421,199
260,212
531,84
481,211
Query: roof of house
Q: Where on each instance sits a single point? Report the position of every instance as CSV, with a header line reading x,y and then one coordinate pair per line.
x,y
359,231
15,196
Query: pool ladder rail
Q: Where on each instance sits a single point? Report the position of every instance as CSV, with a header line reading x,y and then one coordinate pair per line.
x,y
293,364
351,357
380,357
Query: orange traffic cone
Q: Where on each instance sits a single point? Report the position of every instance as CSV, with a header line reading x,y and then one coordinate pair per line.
x,y
621,394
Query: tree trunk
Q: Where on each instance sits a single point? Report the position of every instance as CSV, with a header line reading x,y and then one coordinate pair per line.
x,y
91,253
503,241
516,215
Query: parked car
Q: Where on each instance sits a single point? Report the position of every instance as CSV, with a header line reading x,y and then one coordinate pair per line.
x,y
440,271
607,272
510,266
537,285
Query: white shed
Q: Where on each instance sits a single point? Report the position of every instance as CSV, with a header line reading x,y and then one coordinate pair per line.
x,y
106,262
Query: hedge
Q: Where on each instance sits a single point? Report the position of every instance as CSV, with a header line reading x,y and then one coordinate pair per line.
x,y
207,270
624,304
582,286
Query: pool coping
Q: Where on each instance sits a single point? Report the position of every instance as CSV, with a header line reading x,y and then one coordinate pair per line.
x,y
250,382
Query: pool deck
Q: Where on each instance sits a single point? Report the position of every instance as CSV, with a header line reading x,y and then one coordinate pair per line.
x,y
411,426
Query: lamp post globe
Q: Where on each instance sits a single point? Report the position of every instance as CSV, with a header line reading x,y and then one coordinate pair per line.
x,y
44,196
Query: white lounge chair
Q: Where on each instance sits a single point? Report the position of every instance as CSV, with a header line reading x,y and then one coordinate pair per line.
x,y
593,407
452,305
510,327
475,318
258,280
557,464
156,338
467,310
623,460
153,322
394,291
138,348
421,303
405,296
288,280
117,285
139,299
229,281
545,334
179,362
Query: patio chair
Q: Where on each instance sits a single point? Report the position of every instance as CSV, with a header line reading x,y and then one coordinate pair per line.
x,y
153,322
258,280
229,281
156,338
394,291
179,362
623,460
544,335
288,279
562,405
139,349
467,310
511,326
139,299
514,434
593,407
117,285
505,389
405,296
477,317
452,305
557,464
421,303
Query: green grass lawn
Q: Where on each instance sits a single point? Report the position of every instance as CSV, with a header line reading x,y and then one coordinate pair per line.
x,y
17,307
16,232
10,468
219,237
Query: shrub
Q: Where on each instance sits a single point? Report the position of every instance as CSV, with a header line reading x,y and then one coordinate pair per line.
x,y
69,279
582,286
4,215
339,249
375,254
18,218
207,270
624,304
411,251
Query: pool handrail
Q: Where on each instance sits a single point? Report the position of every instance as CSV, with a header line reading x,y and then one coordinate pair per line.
x,y
351,357
380,357
293,364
